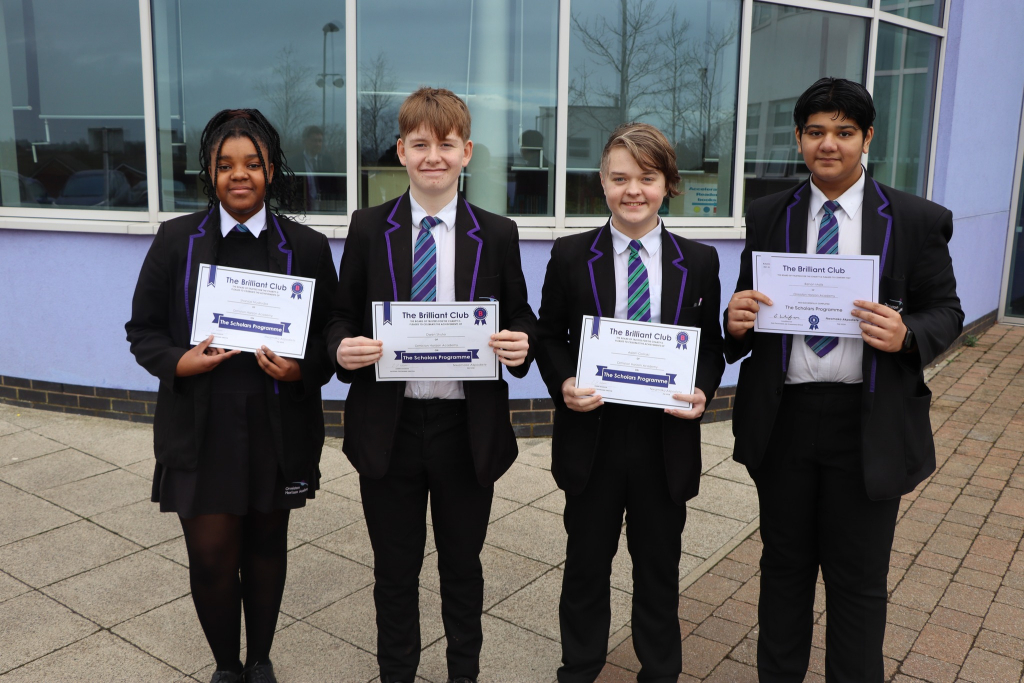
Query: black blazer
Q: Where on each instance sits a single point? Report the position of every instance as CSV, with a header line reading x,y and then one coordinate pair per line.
x,y
911,236
377,266
161,324
580,281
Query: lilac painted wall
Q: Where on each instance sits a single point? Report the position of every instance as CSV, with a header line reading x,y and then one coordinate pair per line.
x,y
983,82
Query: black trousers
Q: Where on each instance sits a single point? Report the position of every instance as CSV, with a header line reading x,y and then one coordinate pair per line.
x,y
431,460
815,512
628,475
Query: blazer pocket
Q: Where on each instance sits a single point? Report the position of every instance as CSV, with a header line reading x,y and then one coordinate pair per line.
x,y
488,288
689,316
918,444
893,292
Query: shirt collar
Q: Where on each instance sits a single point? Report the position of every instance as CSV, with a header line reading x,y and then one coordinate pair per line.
x,y
445,215
255,224
651,241
850,201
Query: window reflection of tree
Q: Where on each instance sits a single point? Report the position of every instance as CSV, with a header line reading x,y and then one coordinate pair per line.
x,y
661,71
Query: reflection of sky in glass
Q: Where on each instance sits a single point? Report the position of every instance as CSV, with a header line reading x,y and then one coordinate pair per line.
x,y
80,72
429,43
229,47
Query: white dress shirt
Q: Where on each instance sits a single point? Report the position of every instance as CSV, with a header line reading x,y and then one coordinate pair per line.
x,y
843,363
444,239
256,224
652,262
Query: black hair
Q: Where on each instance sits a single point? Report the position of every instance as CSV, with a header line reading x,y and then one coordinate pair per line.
x,y
283,192
836,96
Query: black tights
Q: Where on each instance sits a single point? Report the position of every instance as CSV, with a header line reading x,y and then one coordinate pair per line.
x,y
235,561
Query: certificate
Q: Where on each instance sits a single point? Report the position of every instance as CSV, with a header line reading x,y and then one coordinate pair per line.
x,y
636,363
247,309
813,293
436,341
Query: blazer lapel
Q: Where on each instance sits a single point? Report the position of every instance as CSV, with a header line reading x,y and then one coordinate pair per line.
x,y
793,237
876,226
673,278
469,245
202,248
279,250
602,272
398,236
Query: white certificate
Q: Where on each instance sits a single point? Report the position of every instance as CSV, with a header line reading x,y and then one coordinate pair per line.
x,y
639,364
436,340
247,309
813,293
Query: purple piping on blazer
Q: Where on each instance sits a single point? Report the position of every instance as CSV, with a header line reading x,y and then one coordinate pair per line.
x,y
387,238
188,264
280,247
682,286
881,266
789,209
590,264
479,248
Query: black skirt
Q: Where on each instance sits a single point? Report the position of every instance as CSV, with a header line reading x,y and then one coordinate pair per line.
x,y
238,469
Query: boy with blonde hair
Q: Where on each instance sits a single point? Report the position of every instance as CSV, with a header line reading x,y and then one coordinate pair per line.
x,y
448,441
616,458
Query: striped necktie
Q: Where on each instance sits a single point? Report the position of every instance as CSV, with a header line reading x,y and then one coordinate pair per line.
x,y
637,286
828,243
424,262
241,228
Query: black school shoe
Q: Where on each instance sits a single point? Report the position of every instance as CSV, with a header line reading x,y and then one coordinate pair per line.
x,y
225,677
259,673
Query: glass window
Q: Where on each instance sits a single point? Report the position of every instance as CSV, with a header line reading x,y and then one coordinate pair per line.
x,y
788,54
928,11
501,57
905,72
217,55
671,64
72,132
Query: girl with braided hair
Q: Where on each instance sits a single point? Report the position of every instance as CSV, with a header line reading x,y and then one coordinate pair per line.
x,y
237,436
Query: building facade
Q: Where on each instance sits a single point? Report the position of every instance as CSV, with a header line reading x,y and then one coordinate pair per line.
x,y
102,103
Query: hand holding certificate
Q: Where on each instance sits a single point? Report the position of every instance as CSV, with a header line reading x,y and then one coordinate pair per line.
x,y
638,363
813,293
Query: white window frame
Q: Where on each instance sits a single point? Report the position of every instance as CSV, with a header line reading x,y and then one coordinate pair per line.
x,y
530,227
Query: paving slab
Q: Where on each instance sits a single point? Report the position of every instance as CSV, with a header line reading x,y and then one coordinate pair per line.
x,y
54,469
141,523
54,555
26,515
32,626
122,589
100,657
25,445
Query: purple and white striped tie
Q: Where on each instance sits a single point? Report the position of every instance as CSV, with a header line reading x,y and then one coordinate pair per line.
x,y
828,243
637,287
424,262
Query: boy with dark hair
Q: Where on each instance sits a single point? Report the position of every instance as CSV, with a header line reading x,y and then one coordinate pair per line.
x,y
614,458
449,439
833,431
